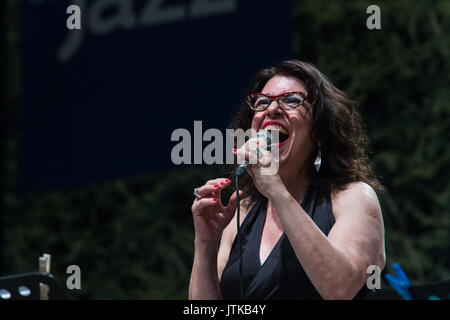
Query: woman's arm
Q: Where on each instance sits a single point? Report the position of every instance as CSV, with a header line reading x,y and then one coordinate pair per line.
x,y
337,264
211,217
204,284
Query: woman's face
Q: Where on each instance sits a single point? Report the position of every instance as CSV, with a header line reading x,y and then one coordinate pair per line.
x,y
296,123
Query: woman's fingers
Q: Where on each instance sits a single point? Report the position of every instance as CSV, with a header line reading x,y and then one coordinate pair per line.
x,y
219,182
254,152
232,203
212,188
200,204
208,190
244,155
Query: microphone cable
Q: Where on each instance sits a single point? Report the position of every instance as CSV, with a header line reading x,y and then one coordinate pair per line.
x,y
238,213
240,170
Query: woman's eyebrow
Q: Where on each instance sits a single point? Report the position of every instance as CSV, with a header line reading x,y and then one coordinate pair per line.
x,y
279,95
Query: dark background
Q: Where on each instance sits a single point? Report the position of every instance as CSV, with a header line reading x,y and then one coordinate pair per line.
x,y
108,108
87,175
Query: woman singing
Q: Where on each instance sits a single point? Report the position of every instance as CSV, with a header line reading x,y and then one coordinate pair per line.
x,y
311,230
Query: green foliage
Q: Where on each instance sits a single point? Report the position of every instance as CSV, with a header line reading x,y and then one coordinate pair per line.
x,y
399,76
132,240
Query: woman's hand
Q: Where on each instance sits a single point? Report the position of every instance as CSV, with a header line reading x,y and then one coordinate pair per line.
x,y
209,214
263,166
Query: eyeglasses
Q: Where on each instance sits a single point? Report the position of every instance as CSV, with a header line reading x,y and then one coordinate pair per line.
x,y
286,101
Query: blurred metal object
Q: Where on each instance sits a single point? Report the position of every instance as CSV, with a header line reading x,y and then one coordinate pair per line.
x,y
27,287
44,267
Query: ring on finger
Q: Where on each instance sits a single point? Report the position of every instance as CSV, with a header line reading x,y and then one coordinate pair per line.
x,y
196,193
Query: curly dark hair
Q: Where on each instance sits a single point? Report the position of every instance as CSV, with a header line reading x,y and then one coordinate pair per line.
x,y
337,128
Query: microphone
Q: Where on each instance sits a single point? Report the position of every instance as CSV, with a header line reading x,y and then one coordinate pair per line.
x,y
261,134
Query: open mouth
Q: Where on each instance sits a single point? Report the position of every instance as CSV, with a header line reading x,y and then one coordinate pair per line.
x,y
283,133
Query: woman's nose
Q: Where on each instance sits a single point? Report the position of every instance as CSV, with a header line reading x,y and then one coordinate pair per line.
x,y
273,107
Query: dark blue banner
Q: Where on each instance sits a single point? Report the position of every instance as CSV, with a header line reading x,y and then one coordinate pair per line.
x,y
103,101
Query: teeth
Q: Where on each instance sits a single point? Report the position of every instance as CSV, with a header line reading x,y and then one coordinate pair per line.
x,y
275,127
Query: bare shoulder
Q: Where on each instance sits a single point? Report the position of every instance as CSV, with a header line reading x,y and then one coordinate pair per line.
x,y
357,195
359,227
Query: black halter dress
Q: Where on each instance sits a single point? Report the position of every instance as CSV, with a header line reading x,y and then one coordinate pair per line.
x,y
281,276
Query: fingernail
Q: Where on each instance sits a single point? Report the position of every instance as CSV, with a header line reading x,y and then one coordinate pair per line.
x,y
215,199
222,183
227,180
234,150
215,186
